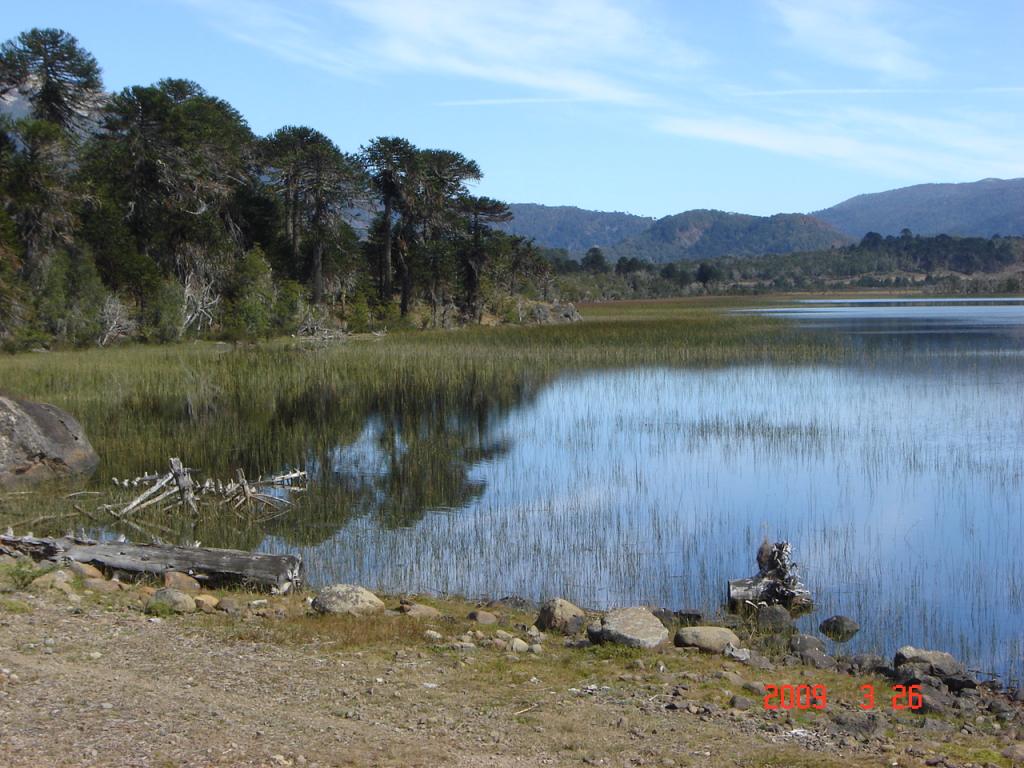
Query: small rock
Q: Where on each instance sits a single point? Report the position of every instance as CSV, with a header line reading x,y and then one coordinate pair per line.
x,y
418,611
501,634
999,706
817,659
536,649
102,585
207,603
866,663
85,570
56,579
933,701
519,646
773,619
839,628
709,639
347,599
1015,753
858,723
95,655
483,617
799,643
229,605
174,599
181,581
433,636
560,615
741,703
737,654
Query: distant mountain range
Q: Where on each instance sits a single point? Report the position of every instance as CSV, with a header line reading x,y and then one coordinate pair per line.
x,y
574,229
709,234
982,209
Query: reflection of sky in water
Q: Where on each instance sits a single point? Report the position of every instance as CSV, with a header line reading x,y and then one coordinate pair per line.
x,y
897,479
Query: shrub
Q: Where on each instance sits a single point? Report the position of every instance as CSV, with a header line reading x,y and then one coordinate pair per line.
x,y
162,314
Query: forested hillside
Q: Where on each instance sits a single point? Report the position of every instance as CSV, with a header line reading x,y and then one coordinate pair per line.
x,y
573,229
979,209
696,235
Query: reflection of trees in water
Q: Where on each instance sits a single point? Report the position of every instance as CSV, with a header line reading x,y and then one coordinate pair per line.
x,y
390,449
413,452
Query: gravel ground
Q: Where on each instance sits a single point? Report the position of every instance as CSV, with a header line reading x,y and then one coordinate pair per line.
x,y
92,681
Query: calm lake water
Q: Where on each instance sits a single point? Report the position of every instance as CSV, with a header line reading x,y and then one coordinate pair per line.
x,y
897,477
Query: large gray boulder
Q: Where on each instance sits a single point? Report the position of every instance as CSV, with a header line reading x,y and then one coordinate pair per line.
x,y
349,599
710,639
910,661
41,442
635,627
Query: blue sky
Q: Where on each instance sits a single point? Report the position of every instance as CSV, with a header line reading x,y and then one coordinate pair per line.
x,y
758,106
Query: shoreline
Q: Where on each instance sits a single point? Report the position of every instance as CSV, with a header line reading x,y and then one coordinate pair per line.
x,y
270,683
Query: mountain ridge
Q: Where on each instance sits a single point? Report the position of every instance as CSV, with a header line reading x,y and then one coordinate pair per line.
x,y
969,209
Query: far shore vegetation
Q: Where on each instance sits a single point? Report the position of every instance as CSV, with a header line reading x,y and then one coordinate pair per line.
x,y
155,214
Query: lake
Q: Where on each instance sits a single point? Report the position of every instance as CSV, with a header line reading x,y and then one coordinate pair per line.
x,y
896,474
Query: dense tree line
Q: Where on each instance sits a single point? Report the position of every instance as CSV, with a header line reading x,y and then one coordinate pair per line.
x,y
940,263
155,212
878,261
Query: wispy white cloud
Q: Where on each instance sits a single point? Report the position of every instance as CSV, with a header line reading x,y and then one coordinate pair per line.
x,y
620,55
853,33
893,145
593,50
504,102
785,92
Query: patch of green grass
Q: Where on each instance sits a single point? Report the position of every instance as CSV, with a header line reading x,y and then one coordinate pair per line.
x,y
14,606
22,572
334,633
160,610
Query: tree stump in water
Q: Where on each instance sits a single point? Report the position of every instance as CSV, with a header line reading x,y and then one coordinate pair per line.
x,y
776,583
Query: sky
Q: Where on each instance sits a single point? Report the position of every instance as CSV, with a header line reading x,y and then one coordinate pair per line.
x,y
754,106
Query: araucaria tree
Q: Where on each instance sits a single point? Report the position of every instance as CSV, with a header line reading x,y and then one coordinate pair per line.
x,y
154,211
315,182
60,79
390,162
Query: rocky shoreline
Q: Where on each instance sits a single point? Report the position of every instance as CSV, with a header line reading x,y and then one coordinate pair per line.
x,y
717,671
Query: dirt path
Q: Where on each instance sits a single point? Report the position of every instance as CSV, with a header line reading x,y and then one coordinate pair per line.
x,y
101,684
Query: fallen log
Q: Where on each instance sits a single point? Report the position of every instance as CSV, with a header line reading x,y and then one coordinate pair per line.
x,y
211,567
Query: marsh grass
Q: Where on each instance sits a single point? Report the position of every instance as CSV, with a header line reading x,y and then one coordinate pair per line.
x,y
267,407
660,438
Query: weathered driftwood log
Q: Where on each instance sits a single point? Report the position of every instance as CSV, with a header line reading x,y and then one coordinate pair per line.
x,y
212,567
776,583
